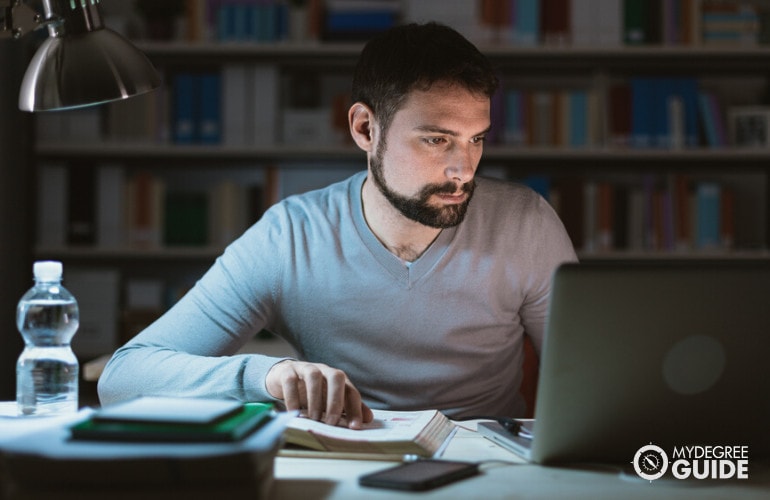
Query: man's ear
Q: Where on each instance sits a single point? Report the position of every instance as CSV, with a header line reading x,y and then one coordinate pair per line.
x,y
361,122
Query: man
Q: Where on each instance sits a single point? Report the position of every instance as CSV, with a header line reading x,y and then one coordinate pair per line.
x,y
409,286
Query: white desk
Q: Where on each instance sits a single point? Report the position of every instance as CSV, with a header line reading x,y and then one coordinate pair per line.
x,y
508,478
307,478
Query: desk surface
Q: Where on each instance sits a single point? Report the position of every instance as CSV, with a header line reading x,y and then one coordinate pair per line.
x,y
504,475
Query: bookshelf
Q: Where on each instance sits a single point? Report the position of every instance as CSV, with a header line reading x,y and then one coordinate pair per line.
x,y
575,66
588,67
282,164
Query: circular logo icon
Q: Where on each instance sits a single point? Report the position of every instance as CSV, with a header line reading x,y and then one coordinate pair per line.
x,y
650,462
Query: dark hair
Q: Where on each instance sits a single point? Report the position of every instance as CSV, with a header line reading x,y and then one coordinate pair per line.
x,y
415,56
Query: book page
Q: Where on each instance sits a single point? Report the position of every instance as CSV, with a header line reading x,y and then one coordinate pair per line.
x,y
386,426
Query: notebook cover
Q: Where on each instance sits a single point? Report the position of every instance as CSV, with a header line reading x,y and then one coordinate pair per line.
x,y
171,410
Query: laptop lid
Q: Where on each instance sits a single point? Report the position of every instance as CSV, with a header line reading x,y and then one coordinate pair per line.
x,y
670,353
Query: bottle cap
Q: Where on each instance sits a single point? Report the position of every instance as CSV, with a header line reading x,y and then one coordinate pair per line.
x,y
47,270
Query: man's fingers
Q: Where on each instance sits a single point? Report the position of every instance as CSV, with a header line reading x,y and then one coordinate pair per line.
x,y
314,391
354,408
324,391
290,390
337,383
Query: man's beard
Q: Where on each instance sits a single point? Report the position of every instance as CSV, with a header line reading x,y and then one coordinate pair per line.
x,y
418,208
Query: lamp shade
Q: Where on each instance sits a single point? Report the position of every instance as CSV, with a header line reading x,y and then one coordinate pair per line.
x,y
84,69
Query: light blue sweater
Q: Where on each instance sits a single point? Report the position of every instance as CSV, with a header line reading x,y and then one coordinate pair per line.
x,y
445,332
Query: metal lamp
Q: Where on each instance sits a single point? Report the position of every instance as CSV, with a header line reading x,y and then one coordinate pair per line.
x,y
81,63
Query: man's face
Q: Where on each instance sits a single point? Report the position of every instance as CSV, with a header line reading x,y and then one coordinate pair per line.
x,y
426,166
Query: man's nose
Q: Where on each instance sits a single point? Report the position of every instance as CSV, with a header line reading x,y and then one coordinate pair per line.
x,y
462,166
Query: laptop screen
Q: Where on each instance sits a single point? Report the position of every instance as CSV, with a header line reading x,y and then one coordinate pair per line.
x,y
671,353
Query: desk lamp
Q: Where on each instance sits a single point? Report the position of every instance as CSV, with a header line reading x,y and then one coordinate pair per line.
x,y
81,63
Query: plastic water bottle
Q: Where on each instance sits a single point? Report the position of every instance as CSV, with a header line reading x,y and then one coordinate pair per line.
x,y
47,370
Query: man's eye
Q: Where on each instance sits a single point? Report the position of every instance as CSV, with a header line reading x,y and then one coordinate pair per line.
x,y
435,141
479,139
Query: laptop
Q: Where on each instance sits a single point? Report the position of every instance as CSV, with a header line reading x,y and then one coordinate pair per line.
x,y
673,353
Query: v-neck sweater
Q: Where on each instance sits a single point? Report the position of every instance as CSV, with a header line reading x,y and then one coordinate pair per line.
x,y
444,332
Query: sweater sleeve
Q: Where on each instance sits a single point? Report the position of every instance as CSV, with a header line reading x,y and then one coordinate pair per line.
x,y
191,350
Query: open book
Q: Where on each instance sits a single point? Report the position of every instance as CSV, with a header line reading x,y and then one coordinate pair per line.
x,y
390,433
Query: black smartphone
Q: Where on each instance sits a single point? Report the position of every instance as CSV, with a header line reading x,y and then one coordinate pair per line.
x,y
420,475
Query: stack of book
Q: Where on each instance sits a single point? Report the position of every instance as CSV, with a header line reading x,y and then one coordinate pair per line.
x,y
58,462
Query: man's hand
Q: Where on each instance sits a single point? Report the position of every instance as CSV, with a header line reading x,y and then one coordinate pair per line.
x,y
324,391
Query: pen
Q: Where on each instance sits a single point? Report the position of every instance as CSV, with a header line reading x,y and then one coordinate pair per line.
x,y
378,457
511,425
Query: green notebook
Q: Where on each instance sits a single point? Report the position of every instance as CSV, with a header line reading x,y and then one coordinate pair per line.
x,y
234,427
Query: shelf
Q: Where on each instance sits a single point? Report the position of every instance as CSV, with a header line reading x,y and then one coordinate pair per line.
x,y
637,59
109,254
156,151
209,253
283,53
727,58
632,255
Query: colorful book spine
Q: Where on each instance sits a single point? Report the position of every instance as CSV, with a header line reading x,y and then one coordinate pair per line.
x,y
209,126
664,112
186,101
197,108
526,22
708,223
671,214
261,21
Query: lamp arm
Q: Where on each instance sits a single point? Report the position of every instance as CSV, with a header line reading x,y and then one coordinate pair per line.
x,y
18,19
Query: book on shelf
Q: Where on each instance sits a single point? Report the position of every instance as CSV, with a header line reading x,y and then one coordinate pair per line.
x,y
263,21
173,419
561,117
82,126
209,128
358,19
145,193
52,202
556,26
671,213
250,101
664,112
229,207
110,200
615,22
98,294
302,178
114,207
185,220
419,433
141,119
81,213
253,105
730,23
519,22
196,112
505,21
619,115
595,23
644,112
